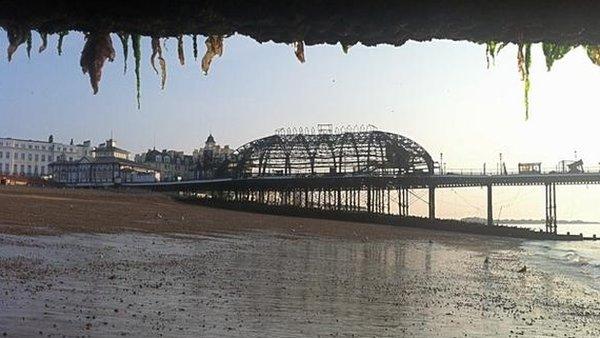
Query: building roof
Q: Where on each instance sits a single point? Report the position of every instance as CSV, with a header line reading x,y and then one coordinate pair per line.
x,y
102,160
111,149
40,141
173,155
210,139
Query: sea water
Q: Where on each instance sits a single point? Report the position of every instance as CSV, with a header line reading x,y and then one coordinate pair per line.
x,y
586,229
576,260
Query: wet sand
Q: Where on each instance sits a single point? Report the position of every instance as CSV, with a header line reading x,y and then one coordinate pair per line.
x,y
226,273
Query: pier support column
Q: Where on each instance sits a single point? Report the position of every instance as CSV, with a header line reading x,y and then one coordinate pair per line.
x,y
551,208
368,198
490,206
403,201
432,202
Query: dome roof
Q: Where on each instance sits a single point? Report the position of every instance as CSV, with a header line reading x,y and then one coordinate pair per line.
x,y
351,152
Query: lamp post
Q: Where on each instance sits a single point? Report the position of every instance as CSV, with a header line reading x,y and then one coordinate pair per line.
x,y
500,165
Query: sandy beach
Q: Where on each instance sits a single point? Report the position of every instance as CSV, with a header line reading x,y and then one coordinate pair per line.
x,y
109,263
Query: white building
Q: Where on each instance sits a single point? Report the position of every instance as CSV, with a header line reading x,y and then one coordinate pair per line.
x,y
109,167
32,157
110,149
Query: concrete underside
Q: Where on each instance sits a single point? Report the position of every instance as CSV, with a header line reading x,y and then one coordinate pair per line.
x,y
315,22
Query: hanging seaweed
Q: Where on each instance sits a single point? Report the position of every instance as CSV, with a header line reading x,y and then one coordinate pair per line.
x,y
44,37
16,37
29,44
61,36
346,47
554,52
157,50
492,48
299,51
137,55
97,49
593,53
214,47
195,46
524,63
180,50
124,37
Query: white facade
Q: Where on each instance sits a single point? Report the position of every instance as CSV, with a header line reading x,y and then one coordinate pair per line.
x,y
32,157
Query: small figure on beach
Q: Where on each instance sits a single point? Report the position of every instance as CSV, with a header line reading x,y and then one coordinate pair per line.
x,y
523,269
487,260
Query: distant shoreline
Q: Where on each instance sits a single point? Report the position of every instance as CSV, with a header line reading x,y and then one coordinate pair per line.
x,y
524,221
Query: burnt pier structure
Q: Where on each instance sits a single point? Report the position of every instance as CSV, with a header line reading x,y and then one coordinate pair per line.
x,y
371,172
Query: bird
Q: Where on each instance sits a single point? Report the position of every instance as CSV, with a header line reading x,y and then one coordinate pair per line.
x,y
523,269
487,260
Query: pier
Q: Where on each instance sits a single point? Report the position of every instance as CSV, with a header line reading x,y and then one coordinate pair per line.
x,y
363,172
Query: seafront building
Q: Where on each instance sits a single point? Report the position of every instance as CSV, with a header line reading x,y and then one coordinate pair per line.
x,y
110,166
213,151
32,157
212,158
173,165
107,164
205,162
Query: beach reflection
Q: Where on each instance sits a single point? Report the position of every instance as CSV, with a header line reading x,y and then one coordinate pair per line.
x,y
259,284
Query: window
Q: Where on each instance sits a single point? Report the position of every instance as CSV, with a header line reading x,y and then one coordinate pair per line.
x,y
30,146
29,156
50,158
7,154
22,169
43,170
35,170
22,156
7,168
29,169
1,154
43,157
37,157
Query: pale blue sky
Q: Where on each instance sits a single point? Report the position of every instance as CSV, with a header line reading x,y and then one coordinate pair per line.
x,y
438,93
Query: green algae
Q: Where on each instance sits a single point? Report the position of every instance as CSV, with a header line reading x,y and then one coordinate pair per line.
x,y
554,52
124,37
137,55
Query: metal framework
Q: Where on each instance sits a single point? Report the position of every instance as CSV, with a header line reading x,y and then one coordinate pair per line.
x,y
364,152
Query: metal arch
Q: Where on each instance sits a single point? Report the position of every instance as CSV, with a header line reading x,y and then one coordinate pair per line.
x,y
363,152
349,137
420,159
